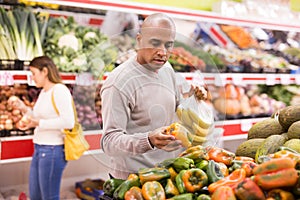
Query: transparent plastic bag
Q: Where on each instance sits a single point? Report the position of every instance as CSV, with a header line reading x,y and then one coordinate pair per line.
x,y
198,117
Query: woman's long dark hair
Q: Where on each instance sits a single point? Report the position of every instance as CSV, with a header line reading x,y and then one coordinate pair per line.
x,y
46,62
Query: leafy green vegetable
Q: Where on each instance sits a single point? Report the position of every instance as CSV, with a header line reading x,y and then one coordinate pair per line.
x,y
76,48
278,92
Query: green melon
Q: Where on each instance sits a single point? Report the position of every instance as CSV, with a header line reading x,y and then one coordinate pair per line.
x,y
249,147
293,144
288,115
294,130
265,128
270,145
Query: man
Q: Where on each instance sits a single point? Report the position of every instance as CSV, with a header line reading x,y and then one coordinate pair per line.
x,y
139,100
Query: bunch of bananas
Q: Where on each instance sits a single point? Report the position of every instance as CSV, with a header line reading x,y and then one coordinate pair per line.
x,y
199,126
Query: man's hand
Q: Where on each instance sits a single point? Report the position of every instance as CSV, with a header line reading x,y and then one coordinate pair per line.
x,y
200,92
161,140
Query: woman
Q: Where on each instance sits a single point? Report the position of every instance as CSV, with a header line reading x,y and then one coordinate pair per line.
x,y
48,161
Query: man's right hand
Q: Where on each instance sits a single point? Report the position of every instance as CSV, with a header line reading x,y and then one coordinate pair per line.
x,y
159,139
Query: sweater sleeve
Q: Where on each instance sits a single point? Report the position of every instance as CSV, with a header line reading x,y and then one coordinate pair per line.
x,y
115,113
63,102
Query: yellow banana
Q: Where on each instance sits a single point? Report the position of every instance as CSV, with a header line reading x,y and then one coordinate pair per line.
x,y
196,140
185,119
195,118
199,130
179,113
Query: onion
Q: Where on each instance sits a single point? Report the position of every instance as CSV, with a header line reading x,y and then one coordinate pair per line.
x,y
16,112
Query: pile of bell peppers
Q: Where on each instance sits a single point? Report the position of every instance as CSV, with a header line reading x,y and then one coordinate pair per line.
x,y
212,173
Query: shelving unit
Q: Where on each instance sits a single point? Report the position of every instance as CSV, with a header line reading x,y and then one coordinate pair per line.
x,y
16,151
181,13
233,129
9,153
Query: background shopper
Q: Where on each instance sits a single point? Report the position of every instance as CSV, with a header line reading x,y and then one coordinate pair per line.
x,y
48,161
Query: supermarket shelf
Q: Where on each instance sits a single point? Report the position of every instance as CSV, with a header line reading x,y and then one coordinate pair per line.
x,y
237,127
20,148
219,79
235,137
25,159
181,13
11,77
16,148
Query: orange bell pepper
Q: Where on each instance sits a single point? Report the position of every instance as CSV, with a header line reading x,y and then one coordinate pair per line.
x,y
223,192
194,180
248,166
273,165
153,190
134,193
248,189
280,194
231,180
281,178
220,155
244,158
286,153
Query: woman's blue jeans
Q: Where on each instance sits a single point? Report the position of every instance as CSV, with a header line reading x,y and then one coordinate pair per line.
x,y
47,166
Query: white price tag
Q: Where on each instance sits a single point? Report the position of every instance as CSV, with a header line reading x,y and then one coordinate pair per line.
x,y
84,79
30,81
246,125
237,79
6,78
297,79
270,79
220,80
197,79
285,79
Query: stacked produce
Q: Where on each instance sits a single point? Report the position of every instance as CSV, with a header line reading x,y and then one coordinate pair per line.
x,y
203,173
22,32
250,61
288,94
76,48
240,36
267,136
183,60
236,102
88,103
126,47
9,117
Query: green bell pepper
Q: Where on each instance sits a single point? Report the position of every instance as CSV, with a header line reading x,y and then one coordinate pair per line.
x,y
214,172
153,174
132,180
111,185
181,163
179,182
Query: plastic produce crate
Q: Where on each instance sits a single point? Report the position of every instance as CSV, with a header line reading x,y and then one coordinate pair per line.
x,y
89,189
